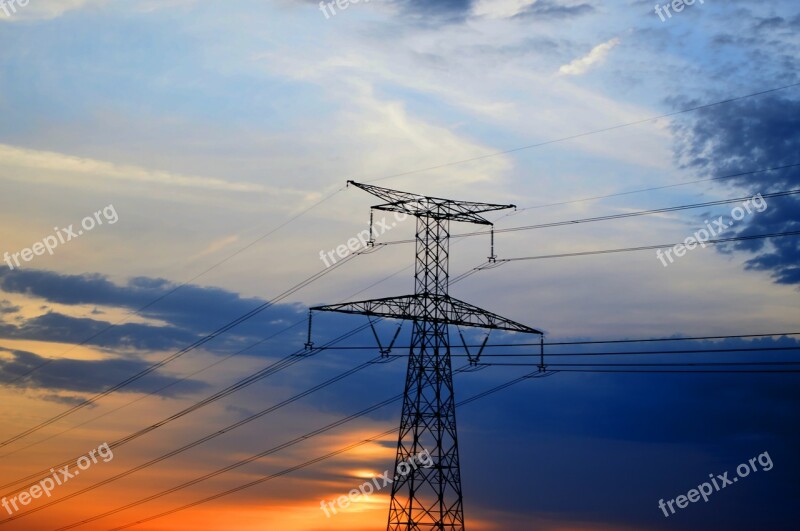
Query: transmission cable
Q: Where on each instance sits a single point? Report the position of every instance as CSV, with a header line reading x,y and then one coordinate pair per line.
x,y
200,342
588,133
654,188
289,443
284,363
178,287
206,438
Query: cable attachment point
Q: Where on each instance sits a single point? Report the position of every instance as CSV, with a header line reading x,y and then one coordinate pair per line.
x,y
371,242
473,361
388,350
492,256
309,343
542,366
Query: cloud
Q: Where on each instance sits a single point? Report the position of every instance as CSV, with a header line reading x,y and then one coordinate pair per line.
x,y
187,312
27,164
7,307
84,376
554,10
596,56
501,8
444,10
748,135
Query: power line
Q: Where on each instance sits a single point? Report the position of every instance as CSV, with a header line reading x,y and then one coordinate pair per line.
x,y
363,442
336,424
381,404
696,338
272,231
328,197
650,247
278,366
204,439
156,391
696,364
200,342
654,188
608,341
609,217
178,287
588,133
287,222
268,371
282,446
687,371
636,213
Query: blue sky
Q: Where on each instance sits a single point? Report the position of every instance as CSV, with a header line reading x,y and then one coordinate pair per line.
x,y
209,125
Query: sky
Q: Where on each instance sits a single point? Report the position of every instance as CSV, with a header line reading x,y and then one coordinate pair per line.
x,y
167,167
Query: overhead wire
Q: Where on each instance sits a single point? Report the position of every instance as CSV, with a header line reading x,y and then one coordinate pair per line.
x,y
516,149
267,371
609,217
174,289
589,133
203,440
651,247
282,446
196,344
273,368
655,188
135,377
701,366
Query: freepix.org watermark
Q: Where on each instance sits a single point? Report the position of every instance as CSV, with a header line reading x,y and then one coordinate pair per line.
x,y
361,240
377,483
704,490
61,236
341,4
9,7
756,203
676,5
59,477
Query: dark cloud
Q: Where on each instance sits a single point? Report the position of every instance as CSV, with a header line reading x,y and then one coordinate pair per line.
x,y
459,10
777,23
7,307
448,9
188,312
85,376
747,135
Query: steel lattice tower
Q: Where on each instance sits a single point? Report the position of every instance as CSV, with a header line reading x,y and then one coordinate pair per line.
x,y
429,498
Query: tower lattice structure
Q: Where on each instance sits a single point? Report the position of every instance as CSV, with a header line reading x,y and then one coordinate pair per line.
x,y
429,497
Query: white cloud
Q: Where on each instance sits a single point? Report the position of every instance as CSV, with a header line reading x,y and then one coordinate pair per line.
x,y
500,8
596,56
46,166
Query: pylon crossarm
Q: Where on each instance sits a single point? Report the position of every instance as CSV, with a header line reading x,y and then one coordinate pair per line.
x,y
434,207
412,307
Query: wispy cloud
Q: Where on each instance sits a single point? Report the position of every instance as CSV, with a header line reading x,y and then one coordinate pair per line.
x,y
596,56
28,164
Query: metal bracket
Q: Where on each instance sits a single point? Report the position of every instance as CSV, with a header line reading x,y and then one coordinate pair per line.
x,y
384,351
473,361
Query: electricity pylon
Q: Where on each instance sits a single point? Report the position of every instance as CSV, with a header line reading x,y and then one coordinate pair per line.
x,y
429,497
